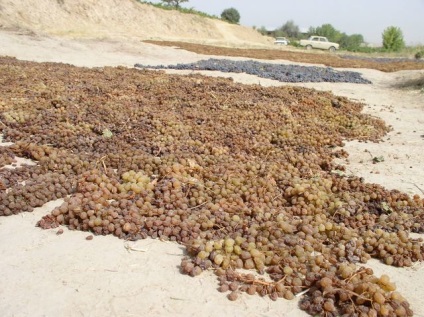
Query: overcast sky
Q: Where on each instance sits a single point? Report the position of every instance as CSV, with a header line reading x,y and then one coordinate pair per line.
x,y
366,17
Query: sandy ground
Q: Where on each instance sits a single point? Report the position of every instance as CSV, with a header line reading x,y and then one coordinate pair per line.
x,y
44,274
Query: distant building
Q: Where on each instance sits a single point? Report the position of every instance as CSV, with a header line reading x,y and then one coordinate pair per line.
x,y
304,30
270,30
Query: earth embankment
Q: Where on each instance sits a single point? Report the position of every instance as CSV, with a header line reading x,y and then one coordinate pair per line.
x,y
120,19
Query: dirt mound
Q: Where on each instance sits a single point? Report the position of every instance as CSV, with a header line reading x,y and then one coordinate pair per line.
x,y
118,19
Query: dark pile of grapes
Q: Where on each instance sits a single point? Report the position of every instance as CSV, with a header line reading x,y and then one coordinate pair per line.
x,y
280,72
243,176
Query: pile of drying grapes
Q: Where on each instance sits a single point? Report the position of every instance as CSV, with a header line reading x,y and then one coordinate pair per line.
x,y
280,72
243,176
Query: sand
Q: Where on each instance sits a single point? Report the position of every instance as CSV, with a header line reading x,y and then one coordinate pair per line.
x,y
45,274
121,19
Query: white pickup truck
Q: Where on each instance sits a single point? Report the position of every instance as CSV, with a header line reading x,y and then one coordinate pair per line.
x,y
319,42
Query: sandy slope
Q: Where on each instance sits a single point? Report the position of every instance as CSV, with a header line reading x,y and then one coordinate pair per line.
x,y
121,19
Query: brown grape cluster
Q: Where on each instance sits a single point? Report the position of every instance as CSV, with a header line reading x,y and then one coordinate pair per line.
x,y
32,186
6,156
348,291
243,176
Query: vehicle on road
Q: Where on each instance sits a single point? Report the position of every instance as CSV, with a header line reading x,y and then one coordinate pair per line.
x,y
281,41
319,42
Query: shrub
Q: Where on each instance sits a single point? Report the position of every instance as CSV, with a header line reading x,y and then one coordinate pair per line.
x,y
174,3
393,39
419,54
180,9
231,15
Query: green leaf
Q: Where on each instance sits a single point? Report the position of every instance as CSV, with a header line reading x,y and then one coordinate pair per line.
x,y
378,159
107,133
386,208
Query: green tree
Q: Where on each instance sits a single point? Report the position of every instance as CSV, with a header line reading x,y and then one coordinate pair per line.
x,y
290,29
393,39
231,15
262,30
312,31
329,32
351,42
174,3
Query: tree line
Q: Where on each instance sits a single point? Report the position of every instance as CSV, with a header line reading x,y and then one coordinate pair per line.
x,y
392,37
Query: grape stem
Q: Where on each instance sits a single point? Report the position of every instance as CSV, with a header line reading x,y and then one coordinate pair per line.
x,y
197,205
353,275
102,159
158,152
350,292
412,183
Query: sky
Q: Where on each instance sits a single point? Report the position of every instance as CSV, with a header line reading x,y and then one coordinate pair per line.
x,y
366,17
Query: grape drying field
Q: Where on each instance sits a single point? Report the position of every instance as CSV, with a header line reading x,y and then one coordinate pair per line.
x,y
242,176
